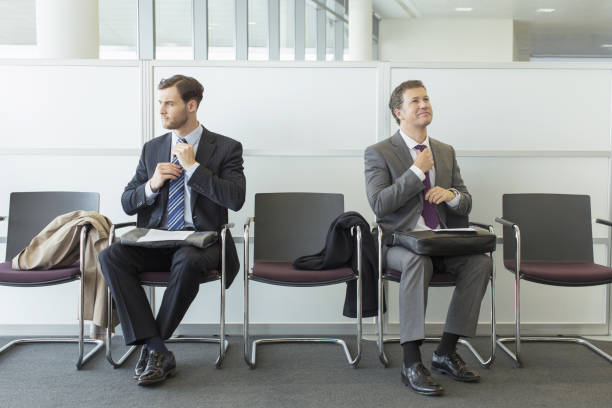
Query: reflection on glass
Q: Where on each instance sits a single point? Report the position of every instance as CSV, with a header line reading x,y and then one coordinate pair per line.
x,y
346,42
287,29
18,29
173,29
222,45
311,32
258,29
118,29
330,31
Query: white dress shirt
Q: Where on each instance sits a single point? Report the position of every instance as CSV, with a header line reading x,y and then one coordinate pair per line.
x,y
411,143
193,139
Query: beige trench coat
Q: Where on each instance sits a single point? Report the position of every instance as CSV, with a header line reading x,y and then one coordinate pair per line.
x,y
57,246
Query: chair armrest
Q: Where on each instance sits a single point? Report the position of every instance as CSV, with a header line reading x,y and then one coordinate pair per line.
x,y
603,222
480,225
111,235
124,224
505,222
248,221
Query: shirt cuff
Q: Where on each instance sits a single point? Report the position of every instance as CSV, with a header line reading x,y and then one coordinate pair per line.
x,y
419,173
454,203
150,196
189,172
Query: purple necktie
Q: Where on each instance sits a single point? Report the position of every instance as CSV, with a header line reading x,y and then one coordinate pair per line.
x,y
429,210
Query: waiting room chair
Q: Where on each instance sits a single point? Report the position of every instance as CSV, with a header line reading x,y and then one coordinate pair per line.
x,y
437,280
30,213
548,239
287,226
155,279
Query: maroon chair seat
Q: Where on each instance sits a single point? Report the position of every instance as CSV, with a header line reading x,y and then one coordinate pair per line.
x,y
14,277
438,279
161,278
563,273
283,273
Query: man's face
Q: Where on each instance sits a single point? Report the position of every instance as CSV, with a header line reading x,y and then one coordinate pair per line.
x,y
415,110
172,109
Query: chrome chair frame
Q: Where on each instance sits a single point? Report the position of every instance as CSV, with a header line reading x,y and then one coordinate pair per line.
x,y
222,341
251,361
81,340
379,319
517,339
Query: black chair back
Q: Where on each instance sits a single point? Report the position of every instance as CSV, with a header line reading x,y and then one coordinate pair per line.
x,y
290,225
30,212
554,227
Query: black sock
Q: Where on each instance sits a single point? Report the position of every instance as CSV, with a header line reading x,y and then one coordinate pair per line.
x,y
448,343
156,344
412,352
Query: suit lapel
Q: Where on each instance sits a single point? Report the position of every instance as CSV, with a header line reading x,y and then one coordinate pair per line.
x,y
434,152
163,156
401,150
206,148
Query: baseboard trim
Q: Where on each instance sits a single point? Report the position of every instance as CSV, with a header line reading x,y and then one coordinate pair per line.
x,y
276,329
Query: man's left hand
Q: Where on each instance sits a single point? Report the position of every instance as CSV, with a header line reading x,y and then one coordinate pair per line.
x,y
185,154
437,195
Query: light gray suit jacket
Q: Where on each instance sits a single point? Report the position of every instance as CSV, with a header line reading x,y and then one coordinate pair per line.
x,y
395,193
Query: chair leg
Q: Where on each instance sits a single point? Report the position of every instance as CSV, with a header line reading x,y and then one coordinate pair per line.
x,y
518,339
379,318
515,356
109,335
245,327
353,361
80,339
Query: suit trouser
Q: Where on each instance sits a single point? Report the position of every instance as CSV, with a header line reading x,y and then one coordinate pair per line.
x,y
121,266
471,273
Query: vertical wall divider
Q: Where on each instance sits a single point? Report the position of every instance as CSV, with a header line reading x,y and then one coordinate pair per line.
x,y
147,98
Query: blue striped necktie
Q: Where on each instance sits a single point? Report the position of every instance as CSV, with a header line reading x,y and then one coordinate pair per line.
x,y
176,198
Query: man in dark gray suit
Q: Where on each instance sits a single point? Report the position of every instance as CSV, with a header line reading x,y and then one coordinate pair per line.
x,y
185,179
413,182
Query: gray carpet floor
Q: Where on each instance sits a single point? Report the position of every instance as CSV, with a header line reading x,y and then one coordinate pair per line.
x,y
301,375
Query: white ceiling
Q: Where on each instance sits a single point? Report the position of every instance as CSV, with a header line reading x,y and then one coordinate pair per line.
x,y
577,28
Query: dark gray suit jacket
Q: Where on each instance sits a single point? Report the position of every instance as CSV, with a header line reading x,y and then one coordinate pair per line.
x,y
217,184
395,192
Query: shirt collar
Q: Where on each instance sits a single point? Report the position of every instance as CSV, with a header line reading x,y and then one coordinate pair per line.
x,y
411,143
193,138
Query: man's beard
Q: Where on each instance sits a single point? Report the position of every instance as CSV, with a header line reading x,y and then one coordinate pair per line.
x,y
177,122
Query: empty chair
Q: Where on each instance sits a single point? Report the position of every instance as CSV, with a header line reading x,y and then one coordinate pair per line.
x,y
548,239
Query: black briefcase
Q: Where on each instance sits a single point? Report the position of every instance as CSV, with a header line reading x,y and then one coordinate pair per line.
x,y
446,243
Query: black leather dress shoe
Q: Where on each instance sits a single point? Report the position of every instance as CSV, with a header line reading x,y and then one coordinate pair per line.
x,y
418,378
141,364
453,365
159,367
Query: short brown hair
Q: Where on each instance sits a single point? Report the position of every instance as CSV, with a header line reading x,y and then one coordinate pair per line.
x,y
397,96
189,88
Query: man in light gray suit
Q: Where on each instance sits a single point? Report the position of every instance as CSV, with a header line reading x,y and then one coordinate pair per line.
x,y
413,182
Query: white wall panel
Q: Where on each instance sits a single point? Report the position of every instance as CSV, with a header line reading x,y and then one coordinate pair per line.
x,y
286,108
106,175
70,106
489,178
525,109
279,110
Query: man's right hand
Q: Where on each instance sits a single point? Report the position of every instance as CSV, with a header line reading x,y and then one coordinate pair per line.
x,y
163,172
424,160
